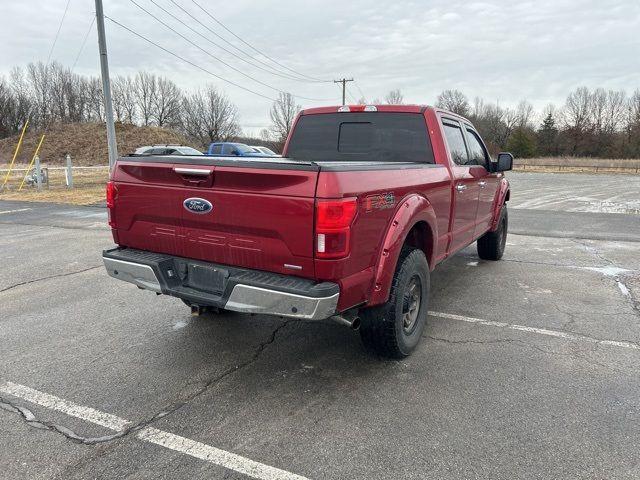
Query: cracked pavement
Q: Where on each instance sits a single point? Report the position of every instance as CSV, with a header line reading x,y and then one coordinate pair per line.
x,y
474,401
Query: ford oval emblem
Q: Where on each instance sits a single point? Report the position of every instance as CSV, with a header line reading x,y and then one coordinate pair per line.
x,y
197,205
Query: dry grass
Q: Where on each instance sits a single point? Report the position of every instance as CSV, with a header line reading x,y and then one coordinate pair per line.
x,y
89,187
85,142
569,169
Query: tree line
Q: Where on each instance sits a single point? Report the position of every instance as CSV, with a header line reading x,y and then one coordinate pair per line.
x,y
52,93
594,123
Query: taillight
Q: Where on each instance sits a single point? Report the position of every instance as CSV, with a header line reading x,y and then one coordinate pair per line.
x,y
333,226
111,201
111,194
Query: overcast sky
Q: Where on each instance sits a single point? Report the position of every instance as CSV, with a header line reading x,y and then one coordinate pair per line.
x,y
498,50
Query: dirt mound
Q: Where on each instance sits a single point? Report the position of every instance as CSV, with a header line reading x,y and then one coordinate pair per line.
x,y
85,142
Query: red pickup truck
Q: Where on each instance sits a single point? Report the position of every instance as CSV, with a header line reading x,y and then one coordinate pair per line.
x,y
347,225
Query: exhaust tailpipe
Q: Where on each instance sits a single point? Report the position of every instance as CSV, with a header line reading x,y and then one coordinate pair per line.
x,y
351,321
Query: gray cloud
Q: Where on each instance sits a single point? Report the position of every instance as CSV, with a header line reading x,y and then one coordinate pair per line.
x,y
498,50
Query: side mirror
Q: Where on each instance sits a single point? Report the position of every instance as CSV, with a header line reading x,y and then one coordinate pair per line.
x,y
504,162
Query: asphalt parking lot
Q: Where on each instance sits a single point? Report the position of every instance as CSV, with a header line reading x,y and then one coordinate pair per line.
x,y
528,369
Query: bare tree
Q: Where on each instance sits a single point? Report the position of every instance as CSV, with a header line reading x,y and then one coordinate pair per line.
x,y
577,117
39,78
577,109
265,135
146,91
167,103
455,101
95,109
394,97
124,99
597,106
525,114
7,108
209,116
614,111
58,89
634,107
22,100
283,113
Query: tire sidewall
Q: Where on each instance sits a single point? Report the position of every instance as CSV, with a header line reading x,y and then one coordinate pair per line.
x,y
414,264
502,230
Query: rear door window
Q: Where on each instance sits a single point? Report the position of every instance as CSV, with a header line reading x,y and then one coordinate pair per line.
x,y
455,141
216,149
361,136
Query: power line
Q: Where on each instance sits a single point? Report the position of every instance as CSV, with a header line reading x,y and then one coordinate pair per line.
x,y
270,71
84,41
188,61
360,90
352,98
93,19
254,48
55,40
206,52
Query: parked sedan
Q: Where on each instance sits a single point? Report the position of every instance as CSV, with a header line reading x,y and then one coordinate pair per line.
x,y
167,150
264,150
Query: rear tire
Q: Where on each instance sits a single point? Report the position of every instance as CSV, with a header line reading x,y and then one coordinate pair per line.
x,y
491,244
394,329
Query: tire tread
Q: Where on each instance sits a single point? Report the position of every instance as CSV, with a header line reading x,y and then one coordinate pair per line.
x,y
378,330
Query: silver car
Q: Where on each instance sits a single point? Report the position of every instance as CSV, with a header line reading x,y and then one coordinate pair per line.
x,y
167,150
264,150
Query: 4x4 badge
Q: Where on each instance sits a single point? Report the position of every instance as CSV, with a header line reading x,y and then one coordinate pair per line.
x,y
379,201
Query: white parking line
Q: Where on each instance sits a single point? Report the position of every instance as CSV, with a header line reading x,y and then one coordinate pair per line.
x,y
56,403
215,455
539,331
164,439
15,211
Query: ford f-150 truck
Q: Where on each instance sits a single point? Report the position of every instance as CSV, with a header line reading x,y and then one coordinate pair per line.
x,y
363,204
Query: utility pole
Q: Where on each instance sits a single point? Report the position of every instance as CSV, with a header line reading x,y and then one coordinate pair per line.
x,y
106,86
344,87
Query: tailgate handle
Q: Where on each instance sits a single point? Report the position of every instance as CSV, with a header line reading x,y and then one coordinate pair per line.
x,y
199,172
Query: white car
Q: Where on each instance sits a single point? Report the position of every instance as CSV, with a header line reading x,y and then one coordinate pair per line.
x,y
167,150
264,150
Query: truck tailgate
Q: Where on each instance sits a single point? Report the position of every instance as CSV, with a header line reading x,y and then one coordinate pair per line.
x,y
249,213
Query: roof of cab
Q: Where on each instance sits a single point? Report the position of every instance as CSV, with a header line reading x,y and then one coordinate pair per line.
x,y
360,108
412,108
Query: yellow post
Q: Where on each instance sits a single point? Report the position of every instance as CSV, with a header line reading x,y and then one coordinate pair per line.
x,y
15,154
32,160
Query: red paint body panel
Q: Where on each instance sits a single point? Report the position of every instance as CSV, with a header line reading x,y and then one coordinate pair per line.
x,y
263,216
370,228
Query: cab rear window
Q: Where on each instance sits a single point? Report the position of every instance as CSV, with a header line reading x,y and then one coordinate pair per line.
x,y
361,136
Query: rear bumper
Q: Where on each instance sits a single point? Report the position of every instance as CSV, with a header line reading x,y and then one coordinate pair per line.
x,y
231,288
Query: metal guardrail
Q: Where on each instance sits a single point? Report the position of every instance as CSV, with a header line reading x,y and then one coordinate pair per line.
x,y
576,163
68,176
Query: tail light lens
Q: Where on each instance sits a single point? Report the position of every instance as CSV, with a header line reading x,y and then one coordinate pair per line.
x,y
111,201
333,227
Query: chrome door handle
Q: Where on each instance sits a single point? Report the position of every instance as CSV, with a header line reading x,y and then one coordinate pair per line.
x,y
193,171
482,183
461,187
